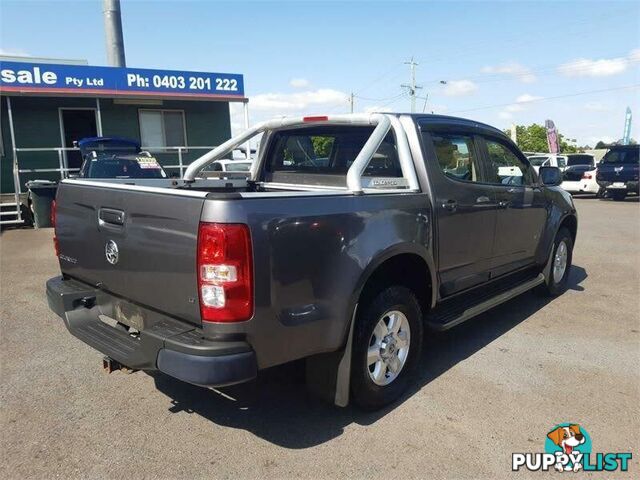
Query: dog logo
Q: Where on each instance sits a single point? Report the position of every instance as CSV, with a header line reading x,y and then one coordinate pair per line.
x,y
567,448
568,438
111,252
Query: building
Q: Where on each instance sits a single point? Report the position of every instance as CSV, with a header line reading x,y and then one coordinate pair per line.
x,y
46,105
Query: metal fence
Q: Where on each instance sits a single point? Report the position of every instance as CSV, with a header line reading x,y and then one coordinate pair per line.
x,y
63,170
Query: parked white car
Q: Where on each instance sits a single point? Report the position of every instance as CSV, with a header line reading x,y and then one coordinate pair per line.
x,y
579,175
548,160
231,166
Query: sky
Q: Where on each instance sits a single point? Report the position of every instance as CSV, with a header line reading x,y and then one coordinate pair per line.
x,y
577,63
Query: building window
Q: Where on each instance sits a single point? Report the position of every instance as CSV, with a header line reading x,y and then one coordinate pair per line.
x,y
162,128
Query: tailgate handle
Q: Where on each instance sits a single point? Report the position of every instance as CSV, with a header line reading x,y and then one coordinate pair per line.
x,y
110,216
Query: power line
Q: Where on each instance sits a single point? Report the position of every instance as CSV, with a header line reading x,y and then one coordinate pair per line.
x,y
524,37
505,76
577,94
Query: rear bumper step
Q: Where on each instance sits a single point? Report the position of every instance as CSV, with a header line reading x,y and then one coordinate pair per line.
x,y
169,345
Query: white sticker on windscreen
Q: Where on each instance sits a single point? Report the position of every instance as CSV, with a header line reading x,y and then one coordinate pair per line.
x,y
148,162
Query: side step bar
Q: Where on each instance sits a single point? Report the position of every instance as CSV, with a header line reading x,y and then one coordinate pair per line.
x,y
447,318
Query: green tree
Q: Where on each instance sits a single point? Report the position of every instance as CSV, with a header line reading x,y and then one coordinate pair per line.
x,y
322,146
533,138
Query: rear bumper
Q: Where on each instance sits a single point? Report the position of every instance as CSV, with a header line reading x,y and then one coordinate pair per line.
x,y
582,186
166,344
630,186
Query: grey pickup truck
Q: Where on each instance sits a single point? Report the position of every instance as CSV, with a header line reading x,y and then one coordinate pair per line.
x,y
350,237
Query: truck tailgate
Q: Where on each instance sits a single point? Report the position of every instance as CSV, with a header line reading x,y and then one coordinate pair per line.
x,y
135,242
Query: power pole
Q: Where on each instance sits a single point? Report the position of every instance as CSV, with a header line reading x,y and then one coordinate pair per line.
x,y
412,87
351,101
113,33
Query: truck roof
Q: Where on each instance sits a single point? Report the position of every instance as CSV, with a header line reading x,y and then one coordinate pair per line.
x,y
447,119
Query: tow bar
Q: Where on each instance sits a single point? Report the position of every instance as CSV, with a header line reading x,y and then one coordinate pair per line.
x,y
110,365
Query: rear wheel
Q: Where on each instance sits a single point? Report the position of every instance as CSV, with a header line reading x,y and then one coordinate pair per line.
x,y
561,259
618,196
387,344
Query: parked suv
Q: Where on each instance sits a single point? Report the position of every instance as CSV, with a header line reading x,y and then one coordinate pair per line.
x,y
352,235
618,171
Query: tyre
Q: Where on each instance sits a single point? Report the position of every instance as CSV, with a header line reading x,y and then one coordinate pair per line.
x,y
558,279
387,345
618,196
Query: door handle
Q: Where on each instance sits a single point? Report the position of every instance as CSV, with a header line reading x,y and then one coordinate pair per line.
x,y
450,205
504,203
483,199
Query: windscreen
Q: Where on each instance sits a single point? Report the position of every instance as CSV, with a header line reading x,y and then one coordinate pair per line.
x,y
538,161
115,167
626,155
330,150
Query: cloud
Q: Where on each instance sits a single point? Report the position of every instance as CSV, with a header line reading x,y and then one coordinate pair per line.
x,y
603,67
518,106
522,73
14,52
265,106
604,138
437,108
299,101
378,108
597,107
459,88
299,83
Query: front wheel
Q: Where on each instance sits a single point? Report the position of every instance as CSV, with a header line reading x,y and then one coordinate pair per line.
x,y
562,256
387,344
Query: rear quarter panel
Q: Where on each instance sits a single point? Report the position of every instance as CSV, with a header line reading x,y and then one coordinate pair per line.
x,y
311,255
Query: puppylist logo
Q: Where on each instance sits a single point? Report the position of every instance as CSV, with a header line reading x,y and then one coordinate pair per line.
x,y
567,448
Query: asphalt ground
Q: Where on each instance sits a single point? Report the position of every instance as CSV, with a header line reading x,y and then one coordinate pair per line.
x,y
488,388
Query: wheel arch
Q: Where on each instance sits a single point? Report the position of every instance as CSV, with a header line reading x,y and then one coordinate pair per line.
x,y
570,222
412,262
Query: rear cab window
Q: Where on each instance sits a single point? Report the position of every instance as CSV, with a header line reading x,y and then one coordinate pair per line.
x,y
626,156
323,155
579,160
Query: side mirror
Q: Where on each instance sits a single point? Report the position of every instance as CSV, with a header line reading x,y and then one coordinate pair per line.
x,y
550,176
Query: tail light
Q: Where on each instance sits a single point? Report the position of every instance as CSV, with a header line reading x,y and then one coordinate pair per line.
x,y
56,247
225,272
587,176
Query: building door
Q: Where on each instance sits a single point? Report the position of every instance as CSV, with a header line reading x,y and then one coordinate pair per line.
x,y
76,125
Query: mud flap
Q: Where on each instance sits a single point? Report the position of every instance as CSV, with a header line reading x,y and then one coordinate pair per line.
x,y
547,268
328,375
